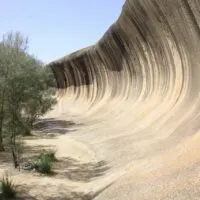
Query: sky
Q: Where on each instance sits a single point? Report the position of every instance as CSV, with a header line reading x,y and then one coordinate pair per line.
x,y
58,27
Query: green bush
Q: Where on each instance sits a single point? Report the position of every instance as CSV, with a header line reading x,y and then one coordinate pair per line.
x,y
7,188
48,154
44,164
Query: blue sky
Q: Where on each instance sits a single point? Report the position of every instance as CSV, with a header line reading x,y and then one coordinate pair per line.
x,y
58,27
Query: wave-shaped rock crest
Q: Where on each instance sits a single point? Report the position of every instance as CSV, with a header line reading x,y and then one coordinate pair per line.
x,y
138,89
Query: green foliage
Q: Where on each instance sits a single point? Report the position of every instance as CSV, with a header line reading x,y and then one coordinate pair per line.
x,y
25,92
46,153
49,154
45,162
45,165
7,188
41,163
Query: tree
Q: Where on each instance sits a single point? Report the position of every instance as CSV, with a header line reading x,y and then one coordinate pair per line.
x,y
25,92
3,76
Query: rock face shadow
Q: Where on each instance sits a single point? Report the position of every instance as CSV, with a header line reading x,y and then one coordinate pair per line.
x,y
75,171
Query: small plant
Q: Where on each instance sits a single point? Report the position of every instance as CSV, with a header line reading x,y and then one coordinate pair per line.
x,y
44,164
7,188
49,154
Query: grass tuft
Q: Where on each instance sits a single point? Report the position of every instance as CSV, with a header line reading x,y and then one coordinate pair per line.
x,y
44,165
7,188
49,154
45,161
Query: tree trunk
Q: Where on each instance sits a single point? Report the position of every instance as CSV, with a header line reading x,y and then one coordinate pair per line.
x,y
15,159
1,137
27,131
1,144
14,150
1,122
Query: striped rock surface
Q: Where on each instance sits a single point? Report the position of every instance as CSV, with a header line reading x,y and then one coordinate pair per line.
x,y
136,93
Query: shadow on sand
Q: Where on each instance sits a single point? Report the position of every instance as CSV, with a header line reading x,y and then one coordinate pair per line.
x,y
64,194
64,168
71,169
52,125
67,169
67,195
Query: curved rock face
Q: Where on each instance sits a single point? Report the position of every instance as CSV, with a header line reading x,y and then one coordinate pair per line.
x,y
138,89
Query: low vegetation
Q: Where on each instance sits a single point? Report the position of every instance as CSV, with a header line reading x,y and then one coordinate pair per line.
x,y
8,189
45,161
50,154
42,163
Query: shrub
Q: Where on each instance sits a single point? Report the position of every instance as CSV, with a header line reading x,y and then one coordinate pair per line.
x,y
41,163
7,188
44,164
49,154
